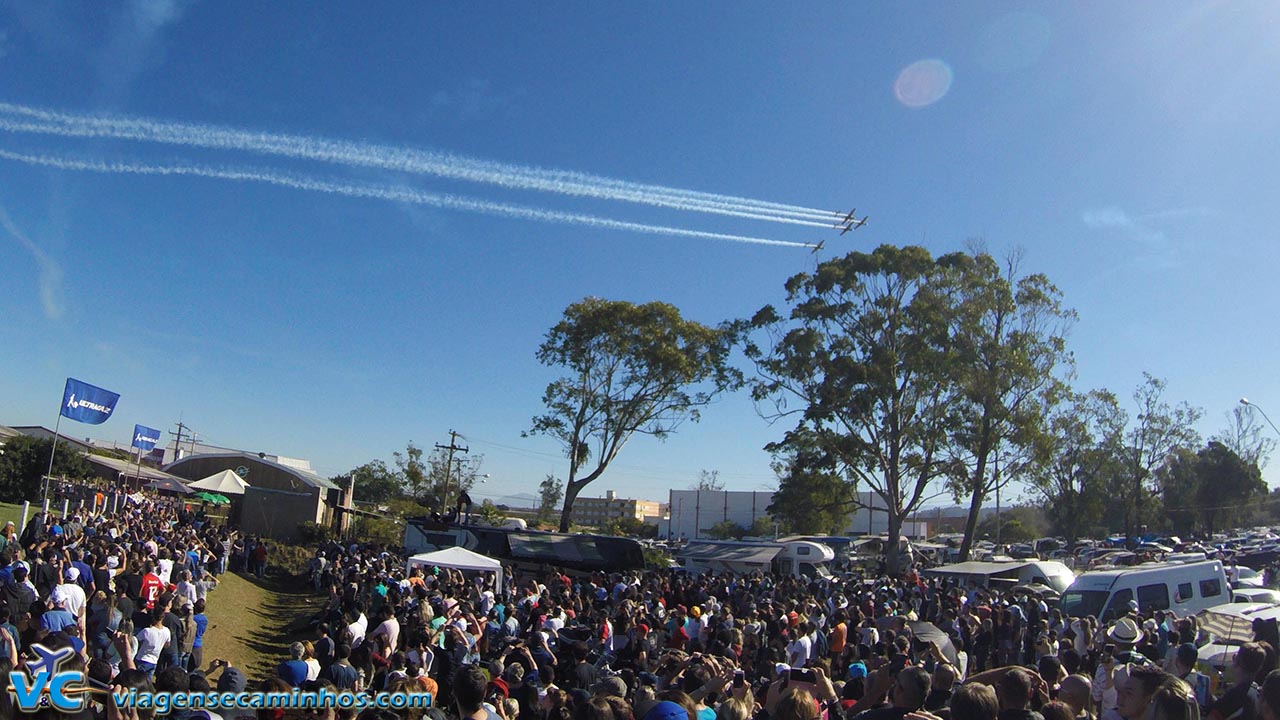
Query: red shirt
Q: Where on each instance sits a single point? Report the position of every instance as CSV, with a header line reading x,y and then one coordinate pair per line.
x,y
151,589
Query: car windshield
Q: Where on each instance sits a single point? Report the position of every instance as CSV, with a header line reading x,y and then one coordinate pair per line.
x,y
1081,603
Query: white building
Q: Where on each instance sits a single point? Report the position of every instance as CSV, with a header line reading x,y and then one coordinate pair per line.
x,y
694,512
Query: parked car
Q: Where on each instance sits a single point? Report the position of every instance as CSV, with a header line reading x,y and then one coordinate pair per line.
x,y
1226,628
1255,595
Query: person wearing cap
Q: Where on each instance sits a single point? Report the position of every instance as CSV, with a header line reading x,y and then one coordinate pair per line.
x,y
57,618
1114,670
611,686
73,592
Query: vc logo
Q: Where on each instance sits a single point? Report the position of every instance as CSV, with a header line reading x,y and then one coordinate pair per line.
x,y
48,684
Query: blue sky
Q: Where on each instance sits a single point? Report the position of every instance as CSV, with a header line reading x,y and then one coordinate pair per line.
x,y
1127,147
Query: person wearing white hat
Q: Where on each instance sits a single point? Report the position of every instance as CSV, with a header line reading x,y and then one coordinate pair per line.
x,y
1113,668
74,594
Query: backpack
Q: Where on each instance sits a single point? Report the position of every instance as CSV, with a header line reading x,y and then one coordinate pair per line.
x,y
821,644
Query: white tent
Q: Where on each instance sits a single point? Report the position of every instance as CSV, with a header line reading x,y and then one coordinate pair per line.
x,y
459,558
224,483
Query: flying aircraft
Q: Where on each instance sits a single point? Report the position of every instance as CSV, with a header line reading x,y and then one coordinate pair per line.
x,y
818,247
849,222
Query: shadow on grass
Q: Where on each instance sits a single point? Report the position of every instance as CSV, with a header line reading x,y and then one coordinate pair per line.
x,y
283,616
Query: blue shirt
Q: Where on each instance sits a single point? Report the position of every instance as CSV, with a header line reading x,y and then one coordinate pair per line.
x,y
202,623
293,672
56,620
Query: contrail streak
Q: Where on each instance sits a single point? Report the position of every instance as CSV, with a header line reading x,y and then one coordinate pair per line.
x,y
407,160
393,194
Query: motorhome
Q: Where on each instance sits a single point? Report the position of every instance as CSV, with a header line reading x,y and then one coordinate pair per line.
x,y
1007,574
1184,588
797,558
527,549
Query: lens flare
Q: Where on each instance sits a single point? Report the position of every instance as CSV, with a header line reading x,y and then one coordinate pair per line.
x,y
922,83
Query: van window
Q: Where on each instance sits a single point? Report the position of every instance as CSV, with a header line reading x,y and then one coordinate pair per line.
x,y
1153,597
1119,605
802,550
1210,588
1184,593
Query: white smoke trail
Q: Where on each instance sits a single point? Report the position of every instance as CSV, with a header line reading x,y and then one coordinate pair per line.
x,y
406,160
393,194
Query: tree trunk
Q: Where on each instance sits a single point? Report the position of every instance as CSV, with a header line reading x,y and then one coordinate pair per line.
x,y
971,524
892,556
571,491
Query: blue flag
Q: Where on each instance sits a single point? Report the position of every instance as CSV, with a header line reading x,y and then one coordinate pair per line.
x,y
145,438
86,403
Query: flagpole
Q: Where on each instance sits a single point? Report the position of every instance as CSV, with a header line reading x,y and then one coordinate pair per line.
x,y
137,474
56,428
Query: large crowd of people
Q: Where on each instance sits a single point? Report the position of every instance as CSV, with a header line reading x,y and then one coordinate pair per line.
x,y
129,593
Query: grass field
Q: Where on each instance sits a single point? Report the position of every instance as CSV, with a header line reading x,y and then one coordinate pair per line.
x,y
252,623
9,511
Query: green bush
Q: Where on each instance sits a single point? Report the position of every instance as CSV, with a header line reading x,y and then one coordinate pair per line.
x,y
312,533
289,559
384,531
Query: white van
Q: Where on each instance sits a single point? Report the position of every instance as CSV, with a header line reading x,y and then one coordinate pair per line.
x,y
1185,589
1007,573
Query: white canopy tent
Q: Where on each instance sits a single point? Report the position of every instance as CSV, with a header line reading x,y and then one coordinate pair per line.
x,y
458,558
224,483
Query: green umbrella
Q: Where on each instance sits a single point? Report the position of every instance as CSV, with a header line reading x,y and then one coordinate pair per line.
x,y
214,498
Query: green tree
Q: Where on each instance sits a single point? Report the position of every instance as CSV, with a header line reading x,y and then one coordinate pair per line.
x,y
427,478
1158,429
864,350
726,530
1009,333
764,527
1080,453
1015,524
490,515
549,494
1179,483
812,498
628,527
376,483
415,474
629,369
25,460
1210,489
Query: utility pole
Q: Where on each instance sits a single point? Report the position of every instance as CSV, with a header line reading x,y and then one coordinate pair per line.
x,y
452,447
178,437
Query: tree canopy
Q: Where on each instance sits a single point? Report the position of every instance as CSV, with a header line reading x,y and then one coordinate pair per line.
x,y
628,369
860,363
25,460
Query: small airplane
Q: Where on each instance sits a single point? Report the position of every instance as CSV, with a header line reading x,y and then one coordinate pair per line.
x,y
818,247
849,222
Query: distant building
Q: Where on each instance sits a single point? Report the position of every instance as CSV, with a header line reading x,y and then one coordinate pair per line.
x,y
40,432
694,512
594,512
279,496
